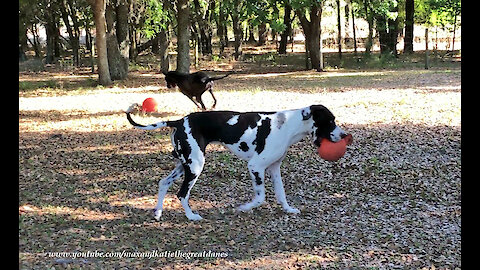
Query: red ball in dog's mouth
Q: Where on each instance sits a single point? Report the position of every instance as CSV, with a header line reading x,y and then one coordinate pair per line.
x,y
333,151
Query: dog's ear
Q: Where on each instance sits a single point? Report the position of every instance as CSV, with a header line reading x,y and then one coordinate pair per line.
x,y
319,113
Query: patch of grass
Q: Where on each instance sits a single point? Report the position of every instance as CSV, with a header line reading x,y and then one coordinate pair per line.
x,y
35,85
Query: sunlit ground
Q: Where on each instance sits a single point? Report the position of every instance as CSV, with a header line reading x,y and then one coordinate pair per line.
x,y
432,102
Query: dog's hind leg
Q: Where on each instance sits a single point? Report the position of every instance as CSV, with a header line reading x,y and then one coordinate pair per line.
x,y
194,102
214,99
258,180
163,186
274,171
192,172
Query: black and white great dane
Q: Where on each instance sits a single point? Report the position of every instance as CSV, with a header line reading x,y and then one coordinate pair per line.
x,y
261,138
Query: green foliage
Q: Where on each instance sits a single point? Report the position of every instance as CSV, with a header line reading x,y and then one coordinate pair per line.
x,y
278,25
437,12
257,11
156,18
301,4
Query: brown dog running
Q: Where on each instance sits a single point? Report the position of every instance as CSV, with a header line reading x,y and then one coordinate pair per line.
x,y
193,85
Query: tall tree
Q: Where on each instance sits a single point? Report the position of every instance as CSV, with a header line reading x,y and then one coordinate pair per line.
x,y
98,7
386,18
25,15
236,12
339,34
409,15
222,26
369,15
311,30
202,18
118,42
354,31
183,36
68,11
50,17
287,20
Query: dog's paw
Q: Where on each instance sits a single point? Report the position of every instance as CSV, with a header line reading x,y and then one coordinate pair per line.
x,y
291,210
194,217
245,207
157,214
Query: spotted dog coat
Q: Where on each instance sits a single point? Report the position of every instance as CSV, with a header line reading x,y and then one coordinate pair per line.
x,y
261,138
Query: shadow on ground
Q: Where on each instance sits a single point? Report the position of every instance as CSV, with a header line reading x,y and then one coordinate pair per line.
x,y
392,201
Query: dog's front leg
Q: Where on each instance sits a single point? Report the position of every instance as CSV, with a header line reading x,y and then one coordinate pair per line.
x,y
258,180
194,102
199,99
274,171
163,186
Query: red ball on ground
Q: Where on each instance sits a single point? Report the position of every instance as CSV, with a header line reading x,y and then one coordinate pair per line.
x,y
149,105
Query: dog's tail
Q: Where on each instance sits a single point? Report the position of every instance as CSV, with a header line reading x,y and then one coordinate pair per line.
x,y
149,127
220,77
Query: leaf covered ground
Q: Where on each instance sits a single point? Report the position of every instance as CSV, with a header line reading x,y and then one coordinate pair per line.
x,y
88,181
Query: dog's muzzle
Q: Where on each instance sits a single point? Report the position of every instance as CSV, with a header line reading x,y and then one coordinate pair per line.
x,y
336,135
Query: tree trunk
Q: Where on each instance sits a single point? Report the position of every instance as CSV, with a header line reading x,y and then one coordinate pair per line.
x,y
98,7
209,18
369,14
387,32
225,33
409,14
312,32
195,38
262,34
67,10
339,35
88,37
183,36
354,33
282,49
251,36
155,44
163,43
50,29
454,31
238,33
204,27
22,42
133,44
347,19
36,42
221,28
381,23
56,39
117,40
393,34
